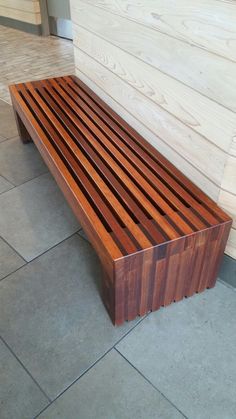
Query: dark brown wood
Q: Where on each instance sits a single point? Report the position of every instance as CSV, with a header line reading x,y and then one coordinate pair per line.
x,y
23,133
158,236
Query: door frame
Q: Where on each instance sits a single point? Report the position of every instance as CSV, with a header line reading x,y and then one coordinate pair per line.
x,y
44,17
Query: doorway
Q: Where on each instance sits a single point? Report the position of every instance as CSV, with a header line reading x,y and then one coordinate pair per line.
x,y
59,19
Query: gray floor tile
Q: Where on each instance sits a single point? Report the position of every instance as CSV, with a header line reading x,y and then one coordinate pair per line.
x,y
5,185
20,397
20,162
35,216
112,389
52,316
9,259
188,352
7,120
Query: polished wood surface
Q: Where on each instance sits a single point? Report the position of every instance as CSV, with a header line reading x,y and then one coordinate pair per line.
x,y
158,236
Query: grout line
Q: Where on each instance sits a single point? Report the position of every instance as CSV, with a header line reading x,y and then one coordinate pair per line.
x,y
226,284
41,254
55,245
5,241
23,366
13,137
91,366
146,379
82,237
13,187
36,257
4,100
4,177
4,140
13,272
23,183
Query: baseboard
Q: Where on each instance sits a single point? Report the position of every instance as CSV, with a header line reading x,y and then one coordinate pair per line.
x,y
22,26
227,271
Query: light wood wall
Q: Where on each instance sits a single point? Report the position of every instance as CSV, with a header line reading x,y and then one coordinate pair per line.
x,y
23,10
169,68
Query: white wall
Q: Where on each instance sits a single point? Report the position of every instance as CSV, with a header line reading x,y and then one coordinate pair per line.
x,y
23,10
169,68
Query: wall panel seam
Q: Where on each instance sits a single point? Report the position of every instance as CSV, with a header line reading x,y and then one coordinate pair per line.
x,y
151,65
150,97
158,30
164,110
168,144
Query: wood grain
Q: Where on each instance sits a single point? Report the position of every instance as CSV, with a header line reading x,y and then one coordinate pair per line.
x,y
96,84
29,6
209,74
158,236
208,24
227,201
199,113
168,68
20,11
206,157
229,176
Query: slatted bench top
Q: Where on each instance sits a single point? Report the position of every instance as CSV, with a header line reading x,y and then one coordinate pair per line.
x,y
133,197
159,237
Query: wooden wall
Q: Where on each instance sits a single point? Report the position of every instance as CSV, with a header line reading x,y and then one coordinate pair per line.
x,y
23,10
168,67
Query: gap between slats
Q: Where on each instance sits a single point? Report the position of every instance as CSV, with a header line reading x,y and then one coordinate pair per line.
x,y
201,203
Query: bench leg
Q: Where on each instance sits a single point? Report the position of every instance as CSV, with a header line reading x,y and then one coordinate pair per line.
x,y
113,299
23,133
145,281
108,295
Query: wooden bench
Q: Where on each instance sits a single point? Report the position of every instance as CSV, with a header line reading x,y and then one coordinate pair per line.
x,y
158,236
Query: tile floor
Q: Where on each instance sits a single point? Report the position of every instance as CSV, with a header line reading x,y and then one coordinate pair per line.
x,y
27,57
60,356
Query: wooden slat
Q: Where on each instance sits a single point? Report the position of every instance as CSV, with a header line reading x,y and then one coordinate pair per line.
x,y
113,182
122,236
105,242
126,164
127,181
149,207
136,160
158,236
190,192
